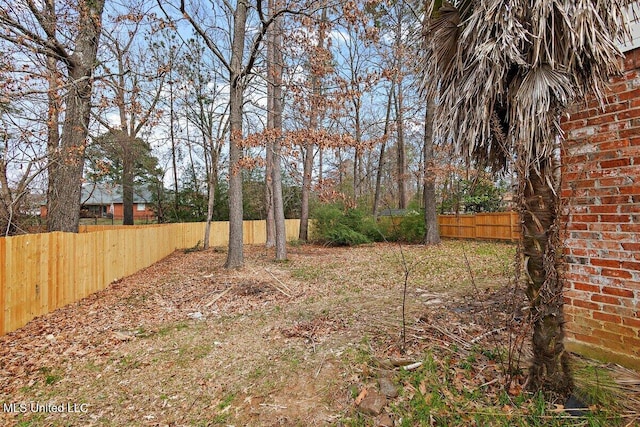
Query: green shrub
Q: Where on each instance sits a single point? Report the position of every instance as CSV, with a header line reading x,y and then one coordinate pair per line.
x,y
411,228
336,226
342,235
326,218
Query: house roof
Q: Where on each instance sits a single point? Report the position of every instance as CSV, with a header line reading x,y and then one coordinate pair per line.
x,y
106,194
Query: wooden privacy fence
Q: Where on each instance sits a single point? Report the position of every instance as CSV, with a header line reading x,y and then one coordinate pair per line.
x,y
491,226
43,272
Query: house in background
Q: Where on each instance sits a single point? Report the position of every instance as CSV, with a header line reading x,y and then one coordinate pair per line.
x,y
105,201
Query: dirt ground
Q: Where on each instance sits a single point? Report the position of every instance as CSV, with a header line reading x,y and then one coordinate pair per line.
x,y
185,342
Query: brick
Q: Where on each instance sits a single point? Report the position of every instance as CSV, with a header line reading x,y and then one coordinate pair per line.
x,y
632,343
612,145
585,235
616,273
617,126
624,331
615,163
581,328
573,124
630,228
630,208
630,94
628,133
612,182
577,115
614,343
629,246
597,120
629,114
569,309
602,245
578,251
630,189
630,265
607,317
579,226
588,339
631,322
605,299
614,200
608,336
615,218
585,304
584,269
584,183
584,218
600,137
617,310
601,262
587,287
602,226
621,292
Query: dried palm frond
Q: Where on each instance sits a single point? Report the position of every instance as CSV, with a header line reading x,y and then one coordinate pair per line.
x,y
522,61
607,384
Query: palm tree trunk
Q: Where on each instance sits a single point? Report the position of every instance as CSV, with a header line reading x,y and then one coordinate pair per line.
x,y
539,209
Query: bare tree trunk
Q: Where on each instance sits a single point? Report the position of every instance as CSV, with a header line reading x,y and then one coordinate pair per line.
x,y
401,156
432,234
276,171
387,123
235,254
212,182
65,175
268,190
357,158
53,120
401,165
174,153
269,156
539,209
306,189
313,126
127,177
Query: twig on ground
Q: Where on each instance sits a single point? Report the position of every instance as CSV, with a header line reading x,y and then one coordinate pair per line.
x,y
321,365
486,334
217,297
279,281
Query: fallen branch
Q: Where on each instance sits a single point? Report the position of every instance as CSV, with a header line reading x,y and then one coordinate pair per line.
x,y
279,281
486,334
412,366
217,297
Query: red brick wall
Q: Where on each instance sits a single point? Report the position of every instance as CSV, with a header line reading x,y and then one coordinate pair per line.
x,y
601,192
147,213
